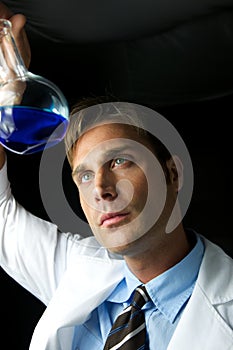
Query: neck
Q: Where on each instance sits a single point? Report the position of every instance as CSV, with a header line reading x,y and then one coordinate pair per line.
x,y
158,257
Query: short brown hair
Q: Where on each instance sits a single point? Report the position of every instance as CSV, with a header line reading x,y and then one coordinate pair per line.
x,y
92,111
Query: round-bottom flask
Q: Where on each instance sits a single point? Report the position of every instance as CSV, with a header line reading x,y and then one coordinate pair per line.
x,y
34,113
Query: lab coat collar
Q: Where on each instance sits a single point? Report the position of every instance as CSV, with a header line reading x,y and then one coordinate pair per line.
x,y
75,299
201,319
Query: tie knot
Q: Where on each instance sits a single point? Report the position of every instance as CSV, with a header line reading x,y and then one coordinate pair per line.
x,y
141,297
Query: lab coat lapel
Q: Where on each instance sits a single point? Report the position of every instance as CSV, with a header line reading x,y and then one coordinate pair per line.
x,y
75,299
201,320
200,323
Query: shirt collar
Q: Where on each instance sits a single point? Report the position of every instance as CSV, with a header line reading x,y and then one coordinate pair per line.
x,y
169,291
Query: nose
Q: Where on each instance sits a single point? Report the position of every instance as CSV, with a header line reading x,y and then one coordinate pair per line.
x,y
105,185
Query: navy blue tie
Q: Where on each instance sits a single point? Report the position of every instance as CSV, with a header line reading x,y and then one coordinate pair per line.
x,y
129,329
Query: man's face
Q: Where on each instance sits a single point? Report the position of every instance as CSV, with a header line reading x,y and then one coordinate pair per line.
x,y
121,184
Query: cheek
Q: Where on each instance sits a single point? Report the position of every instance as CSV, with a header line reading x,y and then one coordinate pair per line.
x,y
140,185
86,208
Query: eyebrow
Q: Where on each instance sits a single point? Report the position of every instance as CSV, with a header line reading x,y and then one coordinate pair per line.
x,y
107,155
78,169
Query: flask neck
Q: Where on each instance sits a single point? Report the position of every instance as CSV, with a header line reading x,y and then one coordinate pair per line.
x,y
11,63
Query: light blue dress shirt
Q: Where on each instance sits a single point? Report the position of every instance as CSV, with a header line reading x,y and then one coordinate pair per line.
x,y
169,294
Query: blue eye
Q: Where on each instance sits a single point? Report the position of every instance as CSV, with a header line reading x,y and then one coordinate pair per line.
x,y
86,177
119,161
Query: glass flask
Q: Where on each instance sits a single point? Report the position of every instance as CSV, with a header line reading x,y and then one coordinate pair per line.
x,y
34,113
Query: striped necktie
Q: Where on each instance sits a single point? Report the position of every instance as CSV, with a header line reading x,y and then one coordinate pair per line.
x,y
129,330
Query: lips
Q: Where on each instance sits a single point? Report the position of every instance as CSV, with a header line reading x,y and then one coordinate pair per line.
x,y
112,218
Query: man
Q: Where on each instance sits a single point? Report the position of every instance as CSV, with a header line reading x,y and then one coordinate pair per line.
x,y
128,185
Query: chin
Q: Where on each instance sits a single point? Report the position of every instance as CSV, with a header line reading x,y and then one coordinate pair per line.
x,y
121,250
115,245
119,240
130,248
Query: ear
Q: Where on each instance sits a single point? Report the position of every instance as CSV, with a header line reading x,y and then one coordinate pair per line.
x,y
175,170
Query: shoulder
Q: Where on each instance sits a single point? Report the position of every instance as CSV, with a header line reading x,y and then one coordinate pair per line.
x,y
216,274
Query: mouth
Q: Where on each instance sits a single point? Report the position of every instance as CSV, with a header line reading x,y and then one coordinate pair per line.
x,y
110,219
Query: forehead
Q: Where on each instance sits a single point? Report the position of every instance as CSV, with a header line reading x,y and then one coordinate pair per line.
x,y
98,135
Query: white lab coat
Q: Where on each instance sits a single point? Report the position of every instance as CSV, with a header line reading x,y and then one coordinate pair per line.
x,y
72,276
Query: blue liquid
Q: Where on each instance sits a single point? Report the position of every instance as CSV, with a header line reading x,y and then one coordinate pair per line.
x,y
26,130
